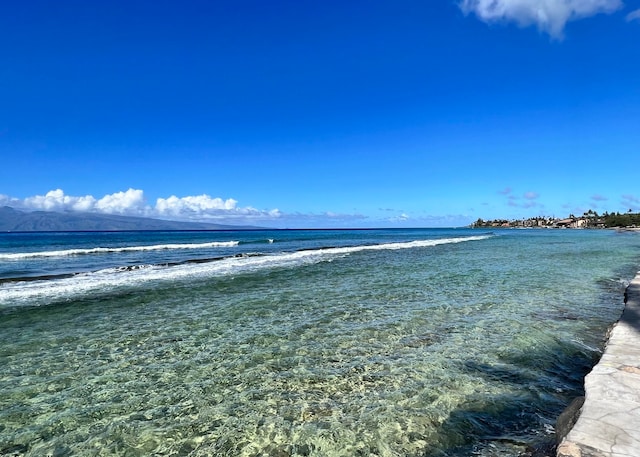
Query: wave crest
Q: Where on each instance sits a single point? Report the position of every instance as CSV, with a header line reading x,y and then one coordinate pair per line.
x,y
110,250
42,292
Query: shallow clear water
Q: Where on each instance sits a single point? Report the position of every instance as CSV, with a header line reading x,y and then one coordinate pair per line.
x,y
320,343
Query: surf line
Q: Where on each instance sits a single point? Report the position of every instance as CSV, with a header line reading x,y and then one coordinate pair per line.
x,y
109,250
285,255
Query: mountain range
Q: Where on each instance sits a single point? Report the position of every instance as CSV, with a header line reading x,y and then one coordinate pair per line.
x,y
14,220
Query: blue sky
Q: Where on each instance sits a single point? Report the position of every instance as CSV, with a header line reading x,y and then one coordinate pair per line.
x,y
321,114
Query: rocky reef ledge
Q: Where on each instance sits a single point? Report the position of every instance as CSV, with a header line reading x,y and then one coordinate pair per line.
x,y
608,422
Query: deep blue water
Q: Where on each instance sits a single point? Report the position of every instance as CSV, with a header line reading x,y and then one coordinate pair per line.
x,y
423,342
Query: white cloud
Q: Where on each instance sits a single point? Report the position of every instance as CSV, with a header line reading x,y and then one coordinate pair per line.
x,y
400,218
633,15
203,207
531,195
133,203
56,200
189,206
550,16
5,200
130,202
599,198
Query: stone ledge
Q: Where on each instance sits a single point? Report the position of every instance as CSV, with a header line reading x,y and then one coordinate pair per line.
x,y
609,421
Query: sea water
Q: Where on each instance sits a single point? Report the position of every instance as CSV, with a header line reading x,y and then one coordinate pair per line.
x,y
439,342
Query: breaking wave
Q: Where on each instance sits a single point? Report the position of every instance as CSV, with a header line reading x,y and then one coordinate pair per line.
x,y
41,292
109,250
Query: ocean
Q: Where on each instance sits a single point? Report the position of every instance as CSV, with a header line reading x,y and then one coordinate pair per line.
x,y
283,343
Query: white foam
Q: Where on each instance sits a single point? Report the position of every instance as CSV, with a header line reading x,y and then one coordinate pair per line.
x,y
47,291
102,250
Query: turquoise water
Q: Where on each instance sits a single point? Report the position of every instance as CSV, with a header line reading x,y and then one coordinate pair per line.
x,y
301,343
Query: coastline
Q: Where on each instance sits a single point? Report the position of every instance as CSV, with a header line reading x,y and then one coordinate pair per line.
x,y
608,423
246,340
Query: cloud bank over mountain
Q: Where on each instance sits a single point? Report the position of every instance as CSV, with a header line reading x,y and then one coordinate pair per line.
x,y
550,16
198,208
133,203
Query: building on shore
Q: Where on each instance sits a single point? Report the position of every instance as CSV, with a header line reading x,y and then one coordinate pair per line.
x,y
588,220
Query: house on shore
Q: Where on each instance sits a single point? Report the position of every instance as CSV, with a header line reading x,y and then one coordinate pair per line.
x,y
571,223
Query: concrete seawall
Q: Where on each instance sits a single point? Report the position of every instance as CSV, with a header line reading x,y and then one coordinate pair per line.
x,y
609,420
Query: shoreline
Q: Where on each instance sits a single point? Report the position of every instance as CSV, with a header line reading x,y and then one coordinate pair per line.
x,y
607,422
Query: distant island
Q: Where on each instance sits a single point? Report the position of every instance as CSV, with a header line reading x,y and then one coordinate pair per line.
x,y
13,220
590,219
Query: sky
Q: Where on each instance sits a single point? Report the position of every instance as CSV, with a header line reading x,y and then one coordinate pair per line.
x,y
294,114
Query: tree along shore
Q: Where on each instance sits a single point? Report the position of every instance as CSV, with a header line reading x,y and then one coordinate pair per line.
x,y
589,219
